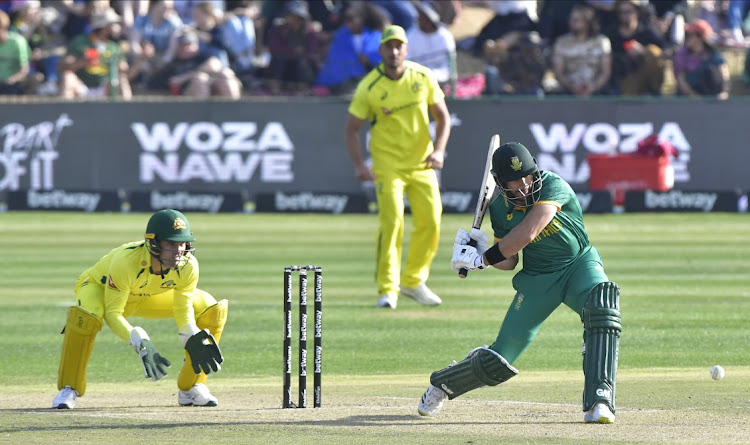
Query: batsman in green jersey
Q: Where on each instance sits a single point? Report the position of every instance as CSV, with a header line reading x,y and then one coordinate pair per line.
x,y
155,278
538,213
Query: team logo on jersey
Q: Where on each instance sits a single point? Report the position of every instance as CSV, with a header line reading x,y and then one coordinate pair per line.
x,y
385,111
168,284
111,283
515,164
179,224
416,86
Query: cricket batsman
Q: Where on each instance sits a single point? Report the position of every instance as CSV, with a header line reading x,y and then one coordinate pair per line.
x,y
152,278
537,212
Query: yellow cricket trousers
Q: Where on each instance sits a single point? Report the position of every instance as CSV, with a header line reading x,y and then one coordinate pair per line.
x,y
423,192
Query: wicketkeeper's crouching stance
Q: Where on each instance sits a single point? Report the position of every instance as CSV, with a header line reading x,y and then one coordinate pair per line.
x,y
538,213
152,278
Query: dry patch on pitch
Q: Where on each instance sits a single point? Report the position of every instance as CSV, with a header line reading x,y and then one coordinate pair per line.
x,y
378,409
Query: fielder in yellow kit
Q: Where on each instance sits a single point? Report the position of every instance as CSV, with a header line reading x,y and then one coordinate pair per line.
x,y
152,278
395,97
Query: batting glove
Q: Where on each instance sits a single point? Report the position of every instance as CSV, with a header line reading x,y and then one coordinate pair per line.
x,y
481,239
154,365
466,257
462,237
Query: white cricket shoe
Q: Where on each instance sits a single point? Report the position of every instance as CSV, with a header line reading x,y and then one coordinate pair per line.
x,y
198,395
388,300
599,413
431,402
65,399
422,295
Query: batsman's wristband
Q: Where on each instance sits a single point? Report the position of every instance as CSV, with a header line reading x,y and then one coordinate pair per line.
x,y
493,254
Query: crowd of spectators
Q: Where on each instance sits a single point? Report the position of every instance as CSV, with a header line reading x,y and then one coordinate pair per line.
x,y
227,48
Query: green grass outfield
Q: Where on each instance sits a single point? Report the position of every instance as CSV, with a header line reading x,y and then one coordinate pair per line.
x,y
685,302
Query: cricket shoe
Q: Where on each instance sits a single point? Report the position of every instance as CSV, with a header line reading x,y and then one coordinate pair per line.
x,y
198,395
422,295
388,300
65,399
599,413
431,402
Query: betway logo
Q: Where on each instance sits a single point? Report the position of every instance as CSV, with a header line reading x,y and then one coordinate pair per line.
x,y
680,200
309,201
460,201
184,200
59,199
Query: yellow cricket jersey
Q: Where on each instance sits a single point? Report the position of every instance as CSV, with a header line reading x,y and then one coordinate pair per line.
x,y
398,114
125,274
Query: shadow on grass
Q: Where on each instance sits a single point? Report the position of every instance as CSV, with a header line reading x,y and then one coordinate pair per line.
x,y
139,423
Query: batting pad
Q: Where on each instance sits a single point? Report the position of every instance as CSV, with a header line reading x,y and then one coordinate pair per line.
x,y
78,344
214,318
482,367
602,325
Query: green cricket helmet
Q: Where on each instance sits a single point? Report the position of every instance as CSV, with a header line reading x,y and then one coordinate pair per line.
x,y
169,225
511,162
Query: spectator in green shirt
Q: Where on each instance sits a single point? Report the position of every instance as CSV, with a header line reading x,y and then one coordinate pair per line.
x,y
14,54
94,63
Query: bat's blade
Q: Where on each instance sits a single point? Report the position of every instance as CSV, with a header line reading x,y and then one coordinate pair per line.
x,y
486,191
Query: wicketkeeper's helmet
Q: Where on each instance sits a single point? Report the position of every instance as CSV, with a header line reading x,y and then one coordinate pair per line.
x,y
168,225
512,161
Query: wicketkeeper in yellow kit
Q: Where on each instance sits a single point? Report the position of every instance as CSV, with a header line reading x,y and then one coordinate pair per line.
x,y
396,97
151,278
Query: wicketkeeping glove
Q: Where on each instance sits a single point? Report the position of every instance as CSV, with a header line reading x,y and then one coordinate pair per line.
x,y
204,352
153,363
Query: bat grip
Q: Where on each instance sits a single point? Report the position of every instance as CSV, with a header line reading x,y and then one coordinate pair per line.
x,y
463,272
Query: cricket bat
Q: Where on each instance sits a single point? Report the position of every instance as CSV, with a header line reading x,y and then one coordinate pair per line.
x,y
486,191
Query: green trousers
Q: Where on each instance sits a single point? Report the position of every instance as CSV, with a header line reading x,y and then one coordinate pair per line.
x,y
537,295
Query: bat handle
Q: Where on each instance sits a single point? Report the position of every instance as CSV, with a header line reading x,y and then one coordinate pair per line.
x,y
463,272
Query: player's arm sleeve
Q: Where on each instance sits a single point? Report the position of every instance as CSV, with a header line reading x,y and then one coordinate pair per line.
x,y
555,196
359,107
116,292
436,93
183,310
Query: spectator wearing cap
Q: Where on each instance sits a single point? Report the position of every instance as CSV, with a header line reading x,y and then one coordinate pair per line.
x,y
94,66
293,44
196,73
354,49
432,45
15,55
699,67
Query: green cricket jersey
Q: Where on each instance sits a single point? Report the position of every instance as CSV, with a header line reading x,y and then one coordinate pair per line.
x,y
564,238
